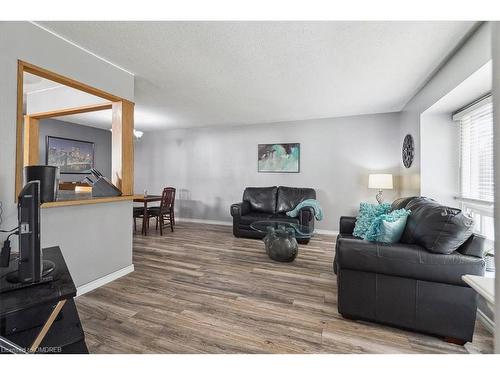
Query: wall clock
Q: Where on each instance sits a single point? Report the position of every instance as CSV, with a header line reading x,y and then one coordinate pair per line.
x,y
408,151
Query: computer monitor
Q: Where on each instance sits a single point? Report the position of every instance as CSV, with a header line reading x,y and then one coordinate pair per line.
x,y
31,269
30,264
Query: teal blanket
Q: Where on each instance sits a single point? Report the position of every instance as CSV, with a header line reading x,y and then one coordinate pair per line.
x,y
313,203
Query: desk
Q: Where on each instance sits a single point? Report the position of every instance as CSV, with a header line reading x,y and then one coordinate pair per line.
x,y
146,199
28,315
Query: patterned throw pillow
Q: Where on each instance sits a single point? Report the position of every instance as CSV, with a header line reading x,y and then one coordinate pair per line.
x,y
388,228
367,213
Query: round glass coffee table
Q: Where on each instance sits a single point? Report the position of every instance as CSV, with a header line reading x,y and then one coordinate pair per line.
x,y
281,238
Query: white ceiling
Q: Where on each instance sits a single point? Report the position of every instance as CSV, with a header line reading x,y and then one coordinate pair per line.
x,y
474,87
191,74
34,84
44,95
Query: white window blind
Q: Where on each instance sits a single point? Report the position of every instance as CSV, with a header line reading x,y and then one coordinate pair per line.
x,y
476,151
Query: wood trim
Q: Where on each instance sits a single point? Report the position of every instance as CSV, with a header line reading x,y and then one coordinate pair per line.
x,y
122,161
52,317
71,111
89,201
31,132
19,132
125,175
128,147
45,73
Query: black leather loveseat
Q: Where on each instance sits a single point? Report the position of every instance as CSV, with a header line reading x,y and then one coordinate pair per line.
x,y
270,203
406,285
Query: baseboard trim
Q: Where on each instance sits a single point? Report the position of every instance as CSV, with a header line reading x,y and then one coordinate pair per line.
x,y
327,231
487,322
204,221
229,223
81,290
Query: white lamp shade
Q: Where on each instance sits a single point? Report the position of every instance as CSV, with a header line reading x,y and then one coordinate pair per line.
x,y
380,181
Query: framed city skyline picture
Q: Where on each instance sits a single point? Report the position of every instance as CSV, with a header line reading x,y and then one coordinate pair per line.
x,y
279,157
70,155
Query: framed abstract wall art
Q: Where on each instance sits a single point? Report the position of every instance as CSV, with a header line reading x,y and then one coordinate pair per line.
x,y
279,157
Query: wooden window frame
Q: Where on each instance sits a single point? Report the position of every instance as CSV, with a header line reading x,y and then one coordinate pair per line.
x,y
122,160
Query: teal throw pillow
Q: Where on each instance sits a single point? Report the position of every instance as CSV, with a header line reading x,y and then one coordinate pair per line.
x,y
367,213
388,228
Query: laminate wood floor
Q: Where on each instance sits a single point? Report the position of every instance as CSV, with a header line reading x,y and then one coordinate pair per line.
x,y
200,290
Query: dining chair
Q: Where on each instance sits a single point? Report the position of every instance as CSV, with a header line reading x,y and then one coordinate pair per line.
x,y
138,213
165,212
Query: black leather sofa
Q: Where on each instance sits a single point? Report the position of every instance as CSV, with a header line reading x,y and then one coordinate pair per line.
x,y
270,203
406,285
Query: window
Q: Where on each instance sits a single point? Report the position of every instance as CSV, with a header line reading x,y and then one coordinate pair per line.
x,y
476,163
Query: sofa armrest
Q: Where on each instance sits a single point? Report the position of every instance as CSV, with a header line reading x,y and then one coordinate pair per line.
x,y
347,224
475,246
240,209
306,216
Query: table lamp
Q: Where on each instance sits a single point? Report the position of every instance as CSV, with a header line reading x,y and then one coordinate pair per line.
x,y
380,181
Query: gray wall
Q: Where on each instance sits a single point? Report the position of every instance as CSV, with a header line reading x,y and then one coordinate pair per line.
x,y
97,255
210,167
468,59
100,137
25,41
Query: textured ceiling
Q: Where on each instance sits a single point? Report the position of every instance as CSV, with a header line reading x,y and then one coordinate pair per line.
x,y
191,74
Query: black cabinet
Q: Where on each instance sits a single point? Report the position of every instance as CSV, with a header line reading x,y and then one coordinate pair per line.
x,y
44,318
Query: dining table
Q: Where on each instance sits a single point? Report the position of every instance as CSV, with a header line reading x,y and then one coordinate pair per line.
x,y
145,199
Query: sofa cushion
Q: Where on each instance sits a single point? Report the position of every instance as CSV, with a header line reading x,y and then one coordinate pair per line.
x,y
476,246
409,261
254,216
290,197
261,199
401,203
437,228
388,227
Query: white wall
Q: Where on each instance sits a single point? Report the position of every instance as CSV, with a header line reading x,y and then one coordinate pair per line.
x,y
463,79
210,167
22,40
496,109
440,137
474,54
440,158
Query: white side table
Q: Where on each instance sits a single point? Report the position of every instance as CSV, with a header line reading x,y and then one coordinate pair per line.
x,y
484,286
